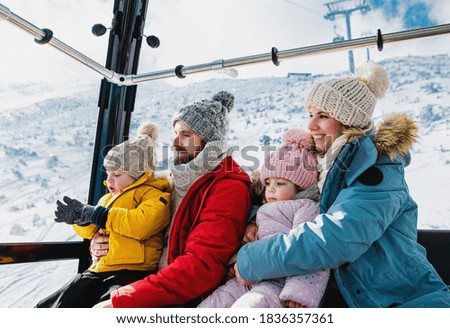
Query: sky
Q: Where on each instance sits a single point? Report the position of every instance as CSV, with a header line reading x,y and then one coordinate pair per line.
x,y
201,31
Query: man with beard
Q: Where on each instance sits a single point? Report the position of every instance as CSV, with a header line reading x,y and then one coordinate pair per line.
x,y
210,203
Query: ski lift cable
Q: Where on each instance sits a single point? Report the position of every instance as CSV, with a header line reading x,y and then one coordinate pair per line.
x,y
181,71
303,7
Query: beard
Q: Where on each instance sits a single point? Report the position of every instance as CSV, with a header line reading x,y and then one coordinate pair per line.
x,y
183,159
183,156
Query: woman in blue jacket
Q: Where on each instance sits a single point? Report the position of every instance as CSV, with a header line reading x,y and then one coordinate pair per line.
x,y
367,229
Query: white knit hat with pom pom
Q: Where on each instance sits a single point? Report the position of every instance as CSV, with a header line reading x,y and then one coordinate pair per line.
x,y
293,161
135,156
351,100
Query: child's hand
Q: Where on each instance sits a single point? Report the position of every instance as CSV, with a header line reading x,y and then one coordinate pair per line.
x,y
104,304
292,304
231,273
72,211
250,233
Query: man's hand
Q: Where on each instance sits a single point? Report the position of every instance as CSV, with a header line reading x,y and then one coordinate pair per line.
x,y
250,234
99,246
73,211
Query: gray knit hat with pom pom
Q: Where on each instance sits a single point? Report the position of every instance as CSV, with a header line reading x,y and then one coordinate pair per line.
x,y
351,100
135,156
208,118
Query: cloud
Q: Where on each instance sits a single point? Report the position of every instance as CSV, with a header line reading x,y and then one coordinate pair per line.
x,y
439,10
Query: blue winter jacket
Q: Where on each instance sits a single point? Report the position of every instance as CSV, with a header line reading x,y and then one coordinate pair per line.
x,y
367,233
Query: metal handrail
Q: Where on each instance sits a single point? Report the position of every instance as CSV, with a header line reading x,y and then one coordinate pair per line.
x,y
298,52
181,71
40,34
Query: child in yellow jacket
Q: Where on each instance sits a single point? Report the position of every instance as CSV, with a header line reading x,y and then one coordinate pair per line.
x,y
134,214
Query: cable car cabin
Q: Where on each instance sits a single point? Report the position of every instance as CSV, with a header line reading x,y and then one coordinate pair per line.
x,y
116,102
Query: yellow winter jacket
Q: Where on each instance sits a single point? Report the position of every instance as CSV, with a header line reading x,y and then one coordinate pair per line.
x,y
136,221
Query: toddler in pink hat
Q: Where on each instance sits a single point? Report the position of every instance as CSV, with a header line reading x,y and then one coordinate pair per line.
x,y
293,165
289,177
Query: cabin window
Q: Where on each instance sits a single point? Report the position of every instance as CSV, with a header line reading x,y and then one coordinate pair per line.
x,y
49,102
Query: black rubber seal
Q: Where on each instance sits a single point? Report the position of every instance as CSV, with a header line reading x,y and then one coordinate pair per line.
x,y
178,72
275,60
47,37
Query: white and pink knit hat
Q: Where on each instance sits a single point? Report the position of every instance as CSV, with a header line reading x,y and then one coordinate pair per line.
x,y
293,161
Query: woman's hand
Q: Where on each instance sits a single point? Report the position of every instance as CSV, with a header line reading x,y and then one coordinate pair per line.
x,y
239,278
250,234
99,246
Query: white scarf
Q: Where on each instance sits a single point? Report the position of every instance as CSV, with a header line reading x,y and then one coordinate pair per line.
x,y
325,161
185,175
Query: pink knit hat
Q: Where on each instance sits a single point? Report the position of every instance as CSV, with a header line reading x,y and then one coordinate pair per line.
x,y
293,161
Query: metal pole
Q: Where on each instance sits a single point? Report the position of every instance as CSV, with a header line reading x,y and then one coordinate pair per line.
x,y
39,34
123,79
351,61
116,102
298,52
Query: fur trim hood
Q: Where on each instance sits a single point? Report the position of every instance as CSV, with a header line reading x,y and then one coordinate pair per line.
x,y
396,135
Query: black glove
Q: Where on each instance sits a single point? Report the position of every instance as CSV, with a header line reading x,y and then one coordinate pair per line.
x,y
74,212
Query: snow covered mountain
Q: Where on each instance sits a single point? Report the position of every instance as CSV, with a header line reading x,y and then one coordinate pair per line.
x,y
48,131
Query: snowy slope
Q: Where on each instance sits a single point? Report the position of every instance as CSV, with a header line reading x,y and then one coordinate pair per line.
x,y
47,135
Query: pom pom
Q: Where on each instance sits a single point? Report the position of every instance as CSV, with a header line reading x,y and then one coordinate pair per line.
x,y
375,77
225,98
298,137
148,129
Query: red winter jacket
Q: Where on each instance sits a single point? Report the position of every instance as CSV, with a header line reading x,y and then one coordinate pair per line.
x,y
207,230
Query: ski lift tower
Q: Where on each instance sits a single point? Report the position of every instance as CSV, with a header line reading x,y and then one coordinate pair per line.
x,y
346,8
